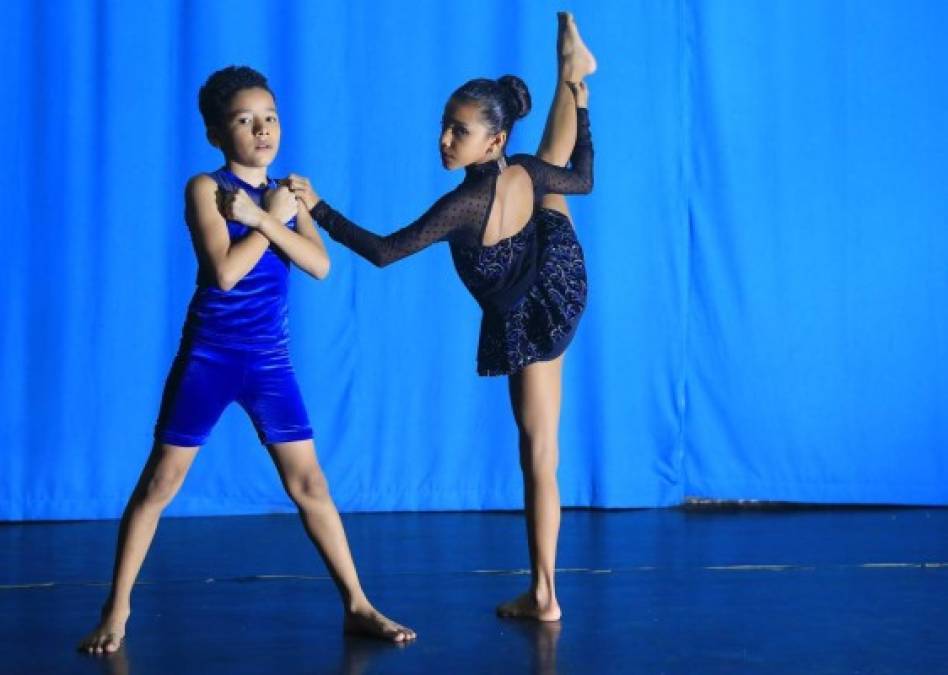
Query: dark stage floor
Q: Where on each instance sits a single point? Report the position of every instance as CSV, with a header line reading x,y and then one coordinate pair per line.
x,y
656,591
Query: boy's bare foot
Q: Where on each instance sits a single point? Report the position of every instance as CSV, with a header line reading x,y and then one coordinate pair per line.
x,y
370,622
576,61
107,637
527,606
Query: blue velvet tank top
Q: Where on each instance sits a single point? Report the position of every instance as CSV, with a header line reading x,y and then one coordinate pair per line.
x,y
253,314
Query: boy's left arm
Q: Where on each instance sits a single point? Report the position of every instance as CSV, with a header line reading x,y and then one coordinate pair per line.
x,y
306,228
304,246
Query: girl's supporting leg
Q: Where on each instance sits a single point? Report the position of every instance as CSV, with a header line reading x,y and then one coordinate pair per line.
x,y
573,62
535,395
306,485
160,480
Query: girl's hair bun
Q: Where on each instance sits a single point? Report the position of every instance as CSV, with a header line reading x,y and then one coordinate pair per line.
x,y
516,90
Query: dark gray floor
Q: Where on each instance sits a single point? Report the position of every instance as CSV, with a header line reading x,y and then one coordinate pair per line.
x,y
666,591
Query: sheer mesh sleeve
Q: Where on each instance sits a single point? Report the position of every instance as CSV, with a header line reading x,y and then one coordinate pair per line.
x,y
458,215
549,178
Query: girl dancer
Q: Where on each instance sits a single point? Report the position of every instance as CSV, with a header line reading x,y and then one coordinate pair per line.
x,y
514,248
234,348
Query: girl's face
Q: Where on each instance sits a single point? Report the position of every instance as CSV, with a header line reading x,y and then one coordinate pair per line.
x,y
465,139
250,134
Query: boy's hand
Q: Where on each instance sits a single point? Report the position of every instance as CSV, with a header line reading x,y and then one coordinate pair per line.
x,y
281,204
240,207
302,189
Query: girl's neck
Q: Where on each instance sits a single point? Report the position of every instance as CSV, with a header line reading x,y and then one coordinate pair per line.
x,y
253,175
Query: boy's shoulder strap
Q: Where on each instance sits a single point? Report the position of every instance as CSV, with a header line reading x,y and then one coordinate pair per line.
x,y
229,182
225,179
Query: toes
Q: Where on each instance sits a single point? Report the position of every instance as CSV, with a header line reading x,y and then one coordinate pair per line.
x,y
108,643
401,634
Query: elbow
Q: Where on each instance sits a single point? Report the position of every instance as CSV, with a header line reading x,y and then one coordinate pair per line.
x,y
322,270
380,261
588,185
319,265
225,281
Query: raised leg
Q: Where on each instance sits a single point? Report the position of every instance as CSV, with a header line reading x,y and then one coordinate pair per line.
x,y
306,485
573,62
535,395
159,482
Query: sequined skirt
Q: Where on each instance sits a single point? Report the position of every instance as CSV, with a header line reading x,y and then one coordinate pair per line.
x,y
541,325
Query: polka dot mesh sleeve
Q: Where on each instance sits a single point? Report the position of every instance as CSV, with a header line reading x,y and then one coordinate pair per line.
x,y
576,180
457,216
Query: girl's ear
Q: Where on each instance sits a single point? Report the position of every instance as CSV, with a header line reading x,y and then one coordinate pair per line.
x,y
497,143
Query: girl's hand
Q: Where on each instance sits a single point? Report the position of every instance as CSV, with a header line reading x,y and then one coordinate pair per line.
x,y
580,93
281,204
240,207
301,187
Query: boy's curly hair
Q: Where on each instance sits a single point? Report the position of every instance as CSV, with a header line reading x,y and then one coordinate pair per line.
x,y
215,96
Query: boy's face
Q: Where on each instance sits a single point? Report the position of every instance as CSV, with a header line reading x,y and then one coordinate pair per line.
x,y
250,135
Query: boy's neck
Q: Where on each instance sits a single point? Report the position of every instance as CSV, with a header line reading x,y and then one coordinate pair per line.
x,y
253,175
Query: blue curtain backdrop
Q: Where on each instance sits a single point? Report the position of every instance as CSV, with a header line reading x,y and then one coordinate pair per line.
x,y
767,247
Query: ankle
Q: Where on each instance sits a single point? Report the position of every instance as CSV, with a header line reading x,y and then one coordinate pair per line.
x,y
116,610
357,605
564,71
543,593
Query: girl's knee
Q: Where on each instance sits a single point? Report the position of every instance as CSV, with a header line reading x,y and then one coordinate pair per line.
x,y
539,455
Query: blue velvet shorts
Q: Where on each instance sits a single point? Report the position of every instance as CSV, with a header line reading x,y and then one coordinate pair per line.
x,y
205,379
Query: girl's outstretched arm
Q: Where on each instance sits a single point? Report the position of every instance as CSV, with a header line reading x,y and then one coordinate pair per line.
x,y
228,261
455,214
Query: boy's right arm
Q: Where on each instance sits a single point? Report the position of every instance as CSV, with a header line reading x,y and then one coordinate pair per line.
x,y
229,261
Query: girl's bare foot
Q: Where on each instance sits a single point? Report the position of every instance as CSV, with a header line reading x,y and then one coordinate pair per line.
x,y
368,621
527,606
575,59
108,636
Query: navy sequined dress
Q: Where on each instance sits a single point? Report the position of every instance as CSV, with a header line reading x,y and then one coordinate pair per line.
x,y
531,286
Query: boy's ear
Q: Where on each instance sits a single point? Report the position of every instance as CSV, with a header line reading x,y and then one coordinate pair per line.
x,y
212,137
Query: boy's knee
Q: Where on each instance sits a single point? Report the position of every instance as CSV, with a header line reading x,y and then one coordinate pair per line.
x,y
162,487
310,487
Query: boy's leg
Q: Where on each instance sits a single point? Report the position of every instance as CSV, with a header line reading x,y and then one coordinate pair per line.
x,y
160,480
306,485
